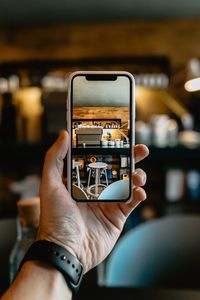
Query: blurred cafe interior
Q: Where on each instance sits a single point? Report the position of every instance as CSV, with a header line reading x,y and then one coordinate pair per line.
x,y
41,43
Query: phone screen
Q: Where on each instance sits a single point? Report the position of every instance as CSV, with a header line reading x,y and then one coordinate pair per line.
x,y
101,136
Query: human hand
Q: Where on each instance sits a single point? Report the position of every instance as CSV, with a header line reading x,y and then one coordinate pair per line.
x,y
88,230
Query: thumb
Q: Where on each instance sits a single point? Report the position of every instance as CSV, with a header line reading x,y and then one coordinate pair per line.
x,y
53,165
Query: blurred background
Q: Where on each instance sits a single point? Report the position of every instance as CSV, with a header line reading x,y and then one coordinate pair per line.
x,y
41,42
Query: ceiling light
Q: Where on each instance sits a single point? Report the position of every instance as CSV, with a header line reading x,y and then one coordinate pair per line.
x,y
193,85
193,75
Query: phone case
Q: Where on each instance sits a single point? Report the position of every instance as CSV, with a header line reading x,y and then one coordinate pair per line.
x,y
69,129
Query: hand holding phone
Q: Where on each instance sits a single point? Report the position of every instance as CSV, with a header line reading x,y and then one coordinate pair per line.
x,y
88,231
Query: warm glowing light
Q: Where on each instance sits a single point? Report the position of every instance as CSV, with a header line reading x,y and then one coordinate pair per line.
x,y
142,95
29,101
193,85
30,109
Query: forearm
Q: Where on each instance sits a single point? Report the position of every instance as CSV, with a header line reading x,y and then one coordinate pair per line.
x,y
38,281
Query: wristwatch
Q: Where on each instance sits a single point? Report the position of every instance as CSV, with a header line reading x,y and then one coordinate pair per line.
x,y
60,258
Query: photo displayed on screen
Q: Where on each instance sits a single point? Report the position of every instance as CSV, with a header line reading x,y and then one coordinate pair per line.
x,y
101,138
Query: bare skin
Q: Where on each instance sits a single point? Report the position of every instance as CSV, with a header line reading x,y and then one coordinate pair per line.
x,y
88,230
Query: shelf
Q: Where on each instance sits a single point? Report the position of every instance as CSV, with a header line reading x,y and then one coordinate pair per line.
x,y
19,156
179,152
23,152
182,207
92,150
179,155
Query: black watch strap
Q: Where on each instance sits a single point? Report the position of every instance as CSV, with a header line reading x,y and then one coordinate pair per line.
x,y
58,257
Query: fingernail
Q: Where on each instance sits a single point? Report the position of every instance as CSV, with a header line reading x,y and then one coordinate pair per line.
x,y
143,194
141,174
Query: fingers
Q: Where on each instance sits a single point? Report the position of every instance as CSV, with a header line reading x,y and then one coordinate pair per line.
x,y
139,195
53,165
140,152
139,177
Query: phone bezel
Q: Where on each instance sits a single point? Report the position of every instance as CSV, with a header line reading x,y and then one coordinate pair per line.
x,y
100,74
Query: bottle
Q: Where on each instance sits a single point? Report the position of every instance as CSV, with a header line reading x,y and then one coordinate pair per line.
x,y
27,224
109,172
124,161
160,130
193,185
174,187
143,133
172,133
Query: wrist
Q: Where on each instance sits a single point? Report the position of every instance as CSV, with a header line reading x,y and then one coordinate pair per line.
x,y
37,280
50,238
59,258
53,278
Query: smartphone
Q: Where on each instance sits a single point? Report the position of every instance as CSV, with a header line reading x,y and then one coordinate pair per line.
x,y
100,122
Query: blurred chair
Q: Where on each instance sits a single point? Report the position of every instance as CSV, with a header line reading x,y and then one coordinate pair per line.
x,y
117,190
78,193
8,235
160,253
